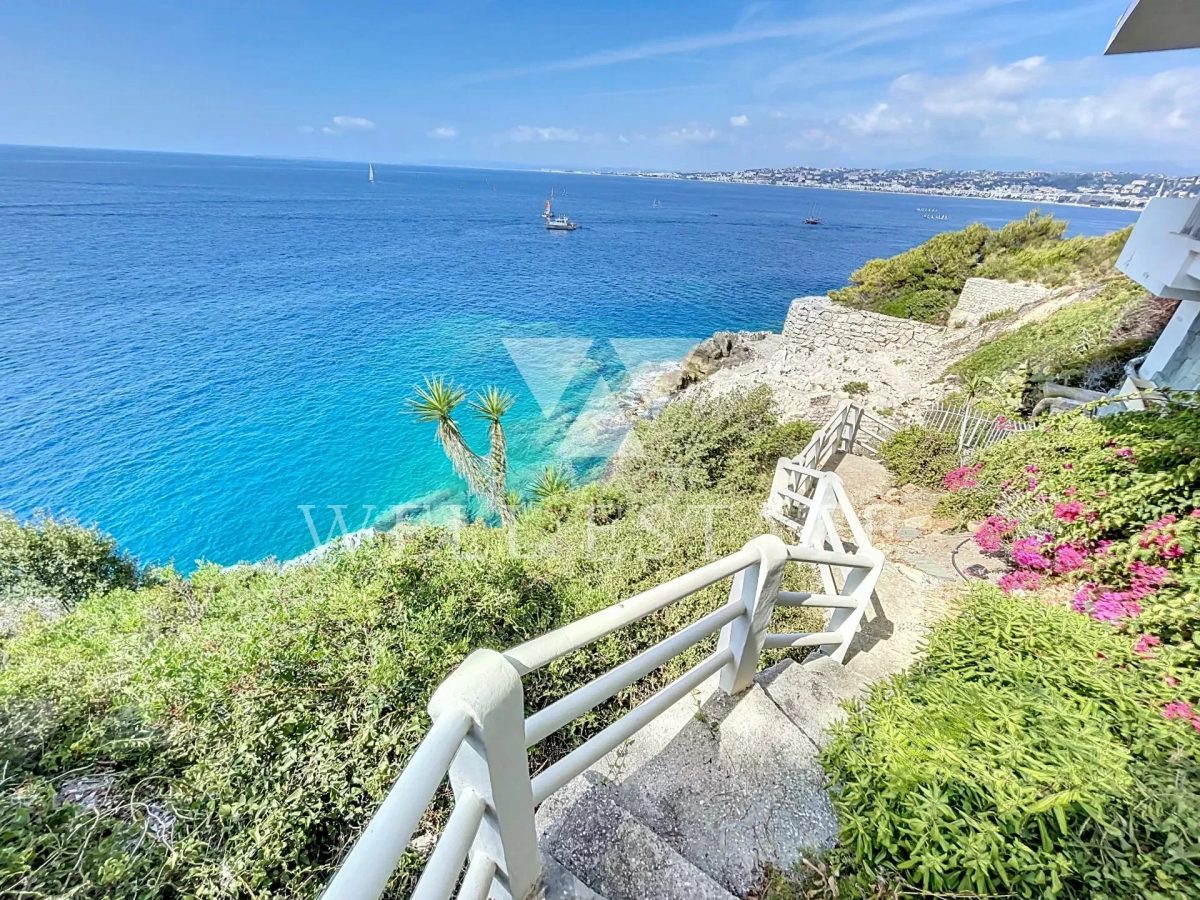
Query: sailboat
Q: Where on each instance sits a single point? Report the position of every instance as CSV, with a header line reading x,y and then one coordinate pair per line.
x,y
370,173
556,223
813,217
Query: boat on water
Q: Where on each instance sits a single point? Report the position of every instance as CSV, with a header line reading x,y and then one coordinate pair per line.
x,y
370,173
555,222
813,217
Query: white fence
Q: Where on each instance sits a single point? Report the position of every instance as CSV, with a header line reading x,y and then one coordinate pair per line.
x,y
480,735
978,430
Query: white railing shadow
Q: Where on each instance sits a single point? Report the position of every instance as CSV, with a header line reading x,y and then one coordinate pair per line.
x,y
480,736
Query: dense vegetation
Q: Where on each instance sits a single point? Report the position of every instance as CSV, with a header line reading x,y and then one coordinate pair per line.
x,y
1049,743
924,283
1084,344
229,733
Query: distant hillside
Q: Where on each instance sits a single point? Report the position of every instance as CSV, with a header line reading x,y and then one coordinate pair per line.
x,y
924,283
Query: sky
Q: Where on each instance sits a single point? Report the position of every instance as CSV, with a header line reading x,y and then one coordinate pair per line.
x,y
692,85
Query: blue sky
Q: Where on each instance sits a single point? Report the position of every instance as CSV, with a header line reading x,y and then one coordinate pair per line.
x,y
1005,83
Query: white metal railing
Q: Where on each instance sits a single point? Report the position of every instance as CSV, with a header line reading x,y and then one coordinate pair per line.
x,y
480,735
974,429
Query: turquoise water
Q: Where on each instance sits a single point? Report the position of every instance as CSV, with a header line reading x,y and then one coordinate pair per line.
x,y
193,348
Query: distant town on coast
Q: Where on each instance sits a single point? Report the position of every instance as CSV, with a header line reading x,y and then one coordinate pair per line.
x,y
1126,190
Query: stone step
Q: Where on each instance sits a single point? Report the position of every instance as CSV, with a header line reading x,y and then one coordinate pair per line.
x,y
730,783
610,852
811,693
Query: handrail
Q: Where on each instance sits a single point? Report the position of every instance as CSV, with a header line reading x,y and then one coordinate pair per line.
x,y
366,871
480,735
545,649
547,721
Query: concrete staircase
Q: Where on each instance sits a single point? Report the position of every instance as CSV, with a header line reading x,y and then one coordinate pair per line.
x,y
716,791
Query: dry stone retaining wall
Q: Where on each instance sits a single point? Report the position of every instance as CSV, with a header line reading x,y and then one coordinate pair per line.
x,y
981,297
818,323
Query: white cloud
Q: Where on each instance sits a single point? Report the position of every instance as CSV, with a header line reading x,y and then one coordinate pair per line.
x,y
524,134
695,133
994,91
880,119
353,123
445,132
340,125
739,121
1019,106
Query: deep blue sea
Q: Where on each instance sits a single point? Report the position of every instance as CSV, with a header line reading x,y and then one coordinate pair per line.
x,y
193,348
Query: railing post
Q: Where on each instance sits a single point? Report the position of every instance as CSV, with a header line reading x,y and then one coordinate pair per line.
x,y
757,587
493,764
781,482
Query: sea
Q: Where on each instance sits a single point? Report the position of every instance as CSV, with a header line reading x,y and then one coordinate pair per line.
x,y
211,357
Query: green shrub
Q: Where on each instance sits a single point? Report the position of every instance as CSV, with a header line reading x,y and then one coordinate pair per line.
x,y
728,443
1018,758
1067,344
919,455
855,388
924,283
61,559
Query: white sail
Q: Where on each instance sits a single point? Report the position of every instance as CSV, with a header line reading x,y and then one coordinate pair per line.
x,y
370,173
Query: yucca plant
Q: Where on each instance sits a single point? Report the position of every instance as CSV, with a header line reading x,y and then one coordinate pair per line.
x,y
435,402
491,404
551,482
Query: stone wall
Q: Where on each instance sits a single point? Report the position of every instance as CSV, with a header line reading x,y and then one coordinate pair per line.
x,y
982,297
818,323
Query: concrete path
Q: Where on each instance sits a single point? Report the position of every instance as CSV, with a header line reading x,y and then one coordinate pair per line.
x,y
718,789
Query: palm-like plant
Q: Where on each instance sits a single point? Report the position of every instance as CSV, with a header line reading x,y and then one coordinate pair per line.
x,y
491,404
552,481
435,401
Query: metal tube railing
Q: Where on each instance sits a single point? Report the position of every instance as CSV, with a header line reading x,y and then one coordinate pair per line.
x,y
477,883
446,862
545,649
550,780
365,872
553,717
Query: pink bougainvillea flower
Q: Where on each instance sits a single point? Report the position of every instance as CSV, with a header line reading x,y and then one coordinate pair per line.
x,y
1031,469
991,534
962,477
1177,709
1144,647
1068,466
1068,512
1027,552
1068,558
1032,486
1070,492
1125,452
1171,681
1195,514
1020,580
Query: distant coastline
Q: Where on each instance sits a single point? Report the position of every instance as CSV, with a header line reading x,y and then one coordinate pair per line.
x,y
1097,190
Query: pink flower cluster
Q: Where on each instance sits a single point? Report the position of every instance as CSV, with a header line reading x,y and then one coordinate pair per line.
x,y
991,534
961,478
1027,552
1144,647
1105,605
1159,535
1020,580
1181,709
1071,511
1069,558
